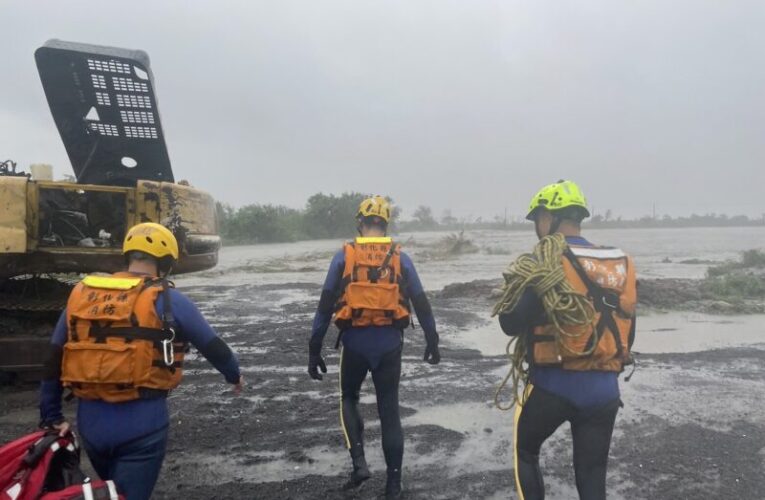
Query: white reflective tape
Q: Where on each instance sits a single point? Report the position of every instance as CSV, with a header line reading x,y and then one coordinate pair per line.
x,y
87,491
598,253
70,447
14,491
112,490
55,447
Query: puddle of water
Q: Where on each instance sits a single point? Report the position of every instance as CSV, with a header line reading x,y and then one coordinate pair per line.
x,y
705,397
254,399
300,395
487,338
656,333
240,348
689,332
256,369
268,466
481,450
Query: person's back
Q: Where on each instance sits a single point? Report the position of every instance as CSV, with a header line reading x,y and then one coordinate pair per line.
x,y
119,347
369,288
576,348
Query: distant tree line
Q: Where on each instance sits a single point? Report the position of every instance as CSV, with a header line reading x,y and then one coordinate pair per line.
x,y
694,220
333,216
324,216
424,220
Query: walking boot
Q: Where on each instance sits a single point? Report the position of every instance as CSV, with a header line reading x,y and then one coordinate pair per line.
x,y
360,472
393,485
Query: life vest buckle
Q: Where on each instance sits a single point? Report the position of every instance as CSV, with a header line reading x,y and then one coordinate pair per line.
x,y
168,351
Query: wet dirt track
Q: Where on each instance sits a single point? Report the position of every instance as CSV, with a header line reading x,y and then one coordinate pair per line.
x,y
692,424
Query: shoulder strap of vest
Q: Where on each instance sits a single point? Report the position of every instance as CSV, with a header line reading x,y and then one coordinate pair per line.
x,y
389,255
168,320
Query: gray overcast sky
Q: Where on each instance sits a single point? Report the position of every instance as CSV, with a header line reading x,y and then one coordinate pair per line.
x,y
471,105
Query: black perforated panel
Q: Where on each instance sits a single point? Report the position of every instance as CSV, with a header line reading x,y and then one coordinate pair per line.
x,y
103,103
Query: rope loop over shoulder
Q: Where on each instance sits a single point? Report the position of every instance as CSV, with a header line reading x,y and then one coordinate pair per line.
x,y
542,270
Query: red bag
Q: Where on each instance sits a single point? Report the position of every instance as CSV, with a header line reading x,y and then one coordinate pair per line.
x,y
45,466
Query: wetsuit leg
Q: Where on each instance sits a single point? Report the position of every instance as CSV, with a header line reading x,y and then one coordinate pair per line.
x,y
535,421
591,431
386,378
353,371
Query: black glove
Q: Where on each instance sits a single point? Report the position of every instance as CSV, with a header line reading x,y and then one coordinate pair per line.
x,y
314,361
432,354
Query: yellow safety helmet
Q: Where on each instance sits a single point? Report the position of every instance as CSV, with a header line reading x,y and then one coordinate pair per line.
x,y
376,206
557,197
151,238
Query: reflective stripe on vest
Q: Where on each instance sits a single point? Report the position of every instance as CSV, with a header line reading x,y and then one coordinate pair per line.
x,y
379,240
111,283
597,253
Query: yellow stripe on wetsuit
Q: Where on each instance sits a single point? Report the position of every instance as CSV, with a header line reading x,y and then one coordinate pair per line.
x,y
518,409
342,420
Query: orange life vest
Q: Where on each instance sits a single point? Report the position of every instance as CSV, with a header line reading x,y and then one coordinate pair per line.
x,y
607,277
118,349
372,287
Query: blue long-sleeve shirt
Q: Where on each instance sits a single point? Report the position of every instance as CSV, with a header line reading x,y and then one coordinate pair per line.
x,y
371,341
102,423
584,389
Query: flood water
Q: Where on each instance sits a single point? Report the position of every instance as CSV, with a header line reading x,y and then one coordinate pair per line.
x,y
658,253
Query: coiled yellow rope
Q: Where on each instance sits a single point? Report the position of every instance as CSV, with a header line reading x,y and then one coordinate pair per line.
x,y
542,270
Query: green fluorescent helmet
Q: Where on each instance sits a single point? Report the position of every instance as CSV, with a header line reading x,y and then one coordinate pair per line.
x,y
559,196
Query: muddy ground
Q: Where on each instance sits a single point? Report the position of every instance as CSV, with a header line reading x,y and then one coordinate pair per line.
x,y
692,425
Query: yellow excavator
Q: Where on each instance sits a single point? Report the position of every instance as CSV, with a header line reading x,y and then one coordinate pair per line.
x,y
105,108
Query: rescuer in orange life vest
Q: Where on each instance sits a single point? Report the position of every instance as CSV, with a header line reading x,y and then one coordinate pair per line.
x,y
369,288
119,347
573,376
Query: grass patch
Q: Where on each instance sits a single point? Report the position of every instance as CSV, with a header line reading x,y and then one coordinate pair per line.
x,y
744,278
735,285
750,259
457,244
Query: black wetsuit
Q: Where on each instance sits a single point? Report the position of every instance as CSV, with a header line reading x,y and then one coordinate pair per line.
x,y
353,370
591,430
